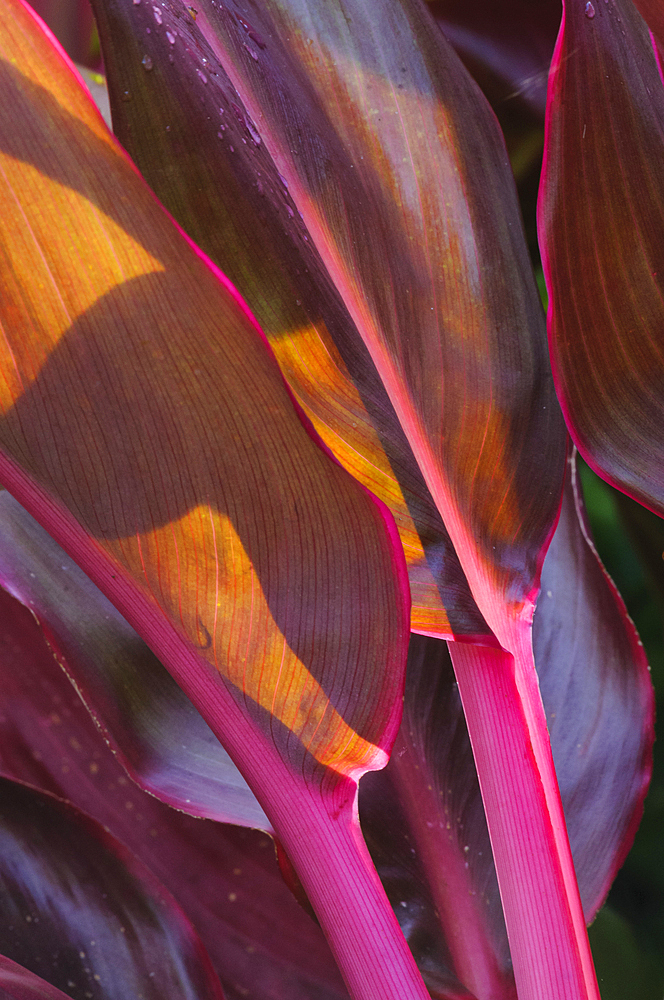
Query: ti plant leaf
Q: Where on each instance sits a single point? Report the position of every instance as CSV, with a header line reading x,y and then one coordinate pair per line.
x,y
147,426
601,214
84,914
225,879
162,741
341,103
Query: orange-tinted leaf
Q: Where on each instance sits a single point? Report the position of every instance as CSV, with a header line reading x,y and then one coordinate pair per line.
x,y
190,134
146,423
601,217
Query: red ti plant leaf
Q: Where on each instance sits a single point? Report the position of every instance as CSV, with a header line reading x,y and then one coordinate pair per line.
x,y
79,910
188,131
162,741
601,217
598,698
435,858
422,242
226,879
148,428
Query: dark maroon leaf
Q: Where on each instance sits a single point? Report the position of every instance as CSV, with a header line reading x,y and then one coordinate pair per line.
x,y
225,878
598,699
423,815
601,218
79,910
159,737
425,825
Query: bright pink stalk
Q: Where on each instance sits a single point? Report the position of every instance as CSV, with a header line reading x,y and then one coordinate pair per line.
x,y
507,728
321,835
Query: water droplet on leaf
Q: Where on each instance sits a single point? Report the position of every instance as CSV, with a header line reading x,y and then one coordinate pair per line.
x,y
171,37
590,10
146,62
157,15
201,74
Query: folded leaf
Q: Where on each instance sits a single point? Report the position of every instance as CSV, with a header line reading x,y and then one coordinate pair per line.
x,y
601,213
162,741
148,428
225,879
189,133
79,910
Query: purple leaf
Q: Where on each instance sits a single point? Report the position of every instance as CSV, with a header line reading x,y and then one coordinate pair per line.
x,y
159,737
191,136
225,878
601,214
17,983
79,910
507,45
148,427
598,698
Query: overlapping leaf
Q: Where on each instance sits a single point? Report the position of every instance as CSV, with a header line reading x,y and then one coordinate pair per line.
x,y
225,878
601,217
162,741
147,424
423,813
342,102
81,912
188,130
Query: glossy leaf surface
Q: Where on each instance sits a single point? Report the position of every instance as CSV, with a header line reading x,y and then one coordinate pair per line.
x,y
81,912
601,216
147,423
342,102
423,814
160,738
188,131
225,878
598,698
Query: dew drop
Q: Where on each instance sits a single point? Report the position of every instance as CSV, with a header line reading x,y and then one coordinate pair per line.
x,y
157,15
146,63
254,55
290,211
136,3
171,37
126,96
590,10
252,132
201,75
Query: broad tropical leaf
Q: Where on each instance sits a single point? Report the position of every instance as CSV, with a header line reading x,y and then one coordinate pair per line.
x,y
147,426
225,878
601,217
79,910
160,738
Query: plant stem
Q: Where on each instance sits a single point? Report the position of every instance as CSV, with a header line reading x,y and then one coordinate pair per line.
x,y
507,727
336,870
